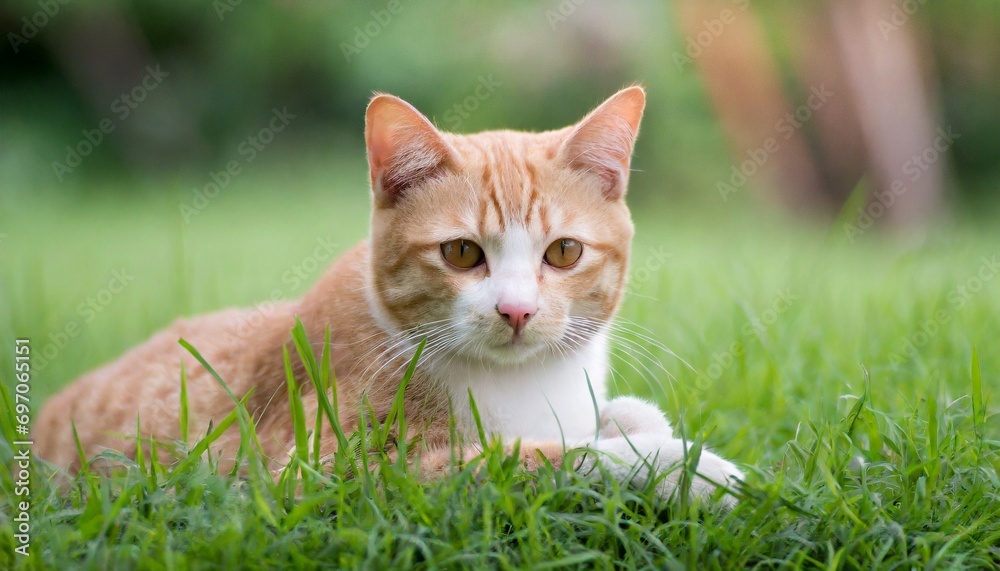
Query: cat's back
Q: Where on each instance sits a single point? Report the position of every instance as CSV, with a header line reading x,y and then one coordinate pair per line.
x,y
103,403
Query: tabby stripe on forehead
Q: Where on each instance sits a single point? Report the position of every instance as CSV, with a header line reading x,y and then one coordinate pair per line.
x,y
533,192
483,211
487,175
543,214
490,184
496,204
532,200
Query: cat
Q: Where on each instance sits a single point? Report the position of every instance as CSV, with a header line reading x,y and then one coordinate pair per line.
x,y
507,251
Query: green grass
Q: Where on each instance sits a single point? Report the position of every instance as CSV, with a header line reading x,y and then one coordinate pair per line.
x,y
853,381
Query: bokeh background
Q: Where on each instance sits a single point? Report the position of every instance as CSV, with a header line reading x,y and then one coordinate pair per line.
x,y
162,158
721,75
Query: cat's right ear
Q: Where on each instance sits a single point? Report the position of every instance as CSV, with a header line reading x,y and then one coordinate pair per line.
x,y
404,148
602,142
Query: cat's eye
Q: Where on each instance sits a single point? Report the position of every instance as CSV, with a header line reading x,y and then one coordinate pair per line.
x,y
563,253
463,254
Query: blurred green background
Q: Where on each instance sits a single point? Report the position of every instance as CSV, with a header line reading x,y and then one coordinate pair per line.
x,y
120,119
227,64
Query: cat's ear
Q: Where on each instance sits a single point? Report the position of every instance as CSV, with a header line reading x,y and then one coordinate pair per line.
x,y
602,142
404,148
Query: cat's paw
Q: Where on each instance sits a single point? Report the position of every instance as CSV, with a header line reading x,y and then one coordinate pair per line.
x,y
633,458
713,471
631,415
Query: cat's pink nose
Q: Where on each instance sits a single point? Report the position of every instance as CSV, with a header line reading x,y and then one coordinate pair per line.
x,y
517,314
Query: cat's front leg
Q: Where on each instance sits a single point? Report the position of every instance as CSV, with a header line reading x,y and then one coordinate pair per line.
x,y
635,439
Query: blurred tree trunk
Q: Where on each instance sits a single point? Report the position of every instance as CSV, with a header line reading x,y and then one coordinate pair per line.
x,y
884,66
875,122
744,85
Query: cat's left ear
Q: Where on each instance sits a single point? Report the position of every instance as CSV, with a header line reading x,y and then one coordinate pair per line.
x,y
404,148
602,142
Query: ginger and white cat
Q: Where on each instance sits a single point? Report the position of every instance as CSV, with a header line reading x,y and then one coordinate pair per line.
x,y
507,251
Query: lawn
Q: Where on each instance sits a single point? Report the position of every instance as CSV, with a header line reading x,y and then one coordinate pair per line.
x,y
853,380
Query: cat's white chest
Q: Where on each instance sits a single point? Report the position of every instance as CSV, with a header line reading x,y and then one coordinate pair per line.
x,y
548,400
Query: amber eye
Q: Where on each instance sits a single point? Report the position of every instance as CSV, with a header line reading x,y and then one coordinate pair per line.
x,y
463,254
563,253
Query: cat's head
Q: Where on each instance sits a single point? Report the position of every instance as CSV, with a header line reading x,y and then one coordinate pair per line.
x,y
500,245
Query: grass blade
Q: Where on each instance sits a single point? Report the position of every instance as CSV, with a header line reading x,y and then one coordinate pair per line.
x,y
79,447
397,412
139,457
322,388
978,412
933,452
209,368
297,411
319,379
214,434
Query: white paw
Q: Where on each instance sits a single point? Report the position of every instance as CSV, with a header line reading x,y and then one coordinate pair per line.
x,y
632,458
630,415
715,470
